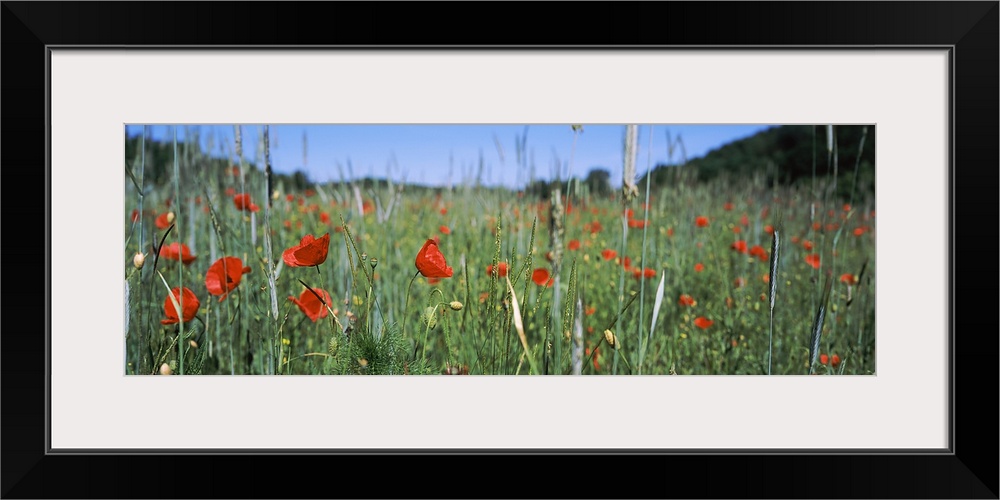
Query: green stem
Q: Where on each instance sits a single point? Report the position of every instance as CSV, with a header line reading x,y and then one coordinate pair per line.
x,y
406,305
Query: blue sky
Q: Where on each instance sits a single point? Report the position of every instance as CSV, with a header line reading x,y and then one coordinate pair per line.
x,y
443,154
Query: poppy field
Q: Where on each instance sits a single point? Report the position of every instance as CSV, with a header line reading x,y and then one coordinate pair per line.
x,y
232,270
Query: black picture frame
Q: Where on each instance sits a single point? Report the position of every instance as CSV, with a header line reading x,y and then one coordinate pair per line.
x,y
967,470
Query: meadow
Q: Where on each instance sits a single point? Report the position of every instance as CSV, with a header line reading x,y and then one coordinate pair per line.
x,y
733,276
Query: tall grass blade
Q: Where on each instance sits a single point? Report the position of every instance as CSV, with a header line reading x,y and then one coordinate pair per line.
x,y
519,325
657,303
772,293
577,352
817,330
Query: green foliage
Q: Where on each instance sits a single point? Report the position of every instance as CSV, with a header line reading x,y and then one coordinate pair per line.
x,y
371,352
786,154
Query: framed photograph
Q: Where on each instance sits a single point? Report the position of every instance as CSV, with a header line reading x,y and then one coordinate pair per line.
x,y
192,182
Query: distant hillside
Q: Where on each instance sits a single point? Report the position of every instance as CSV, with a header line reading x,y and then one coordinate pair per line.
x,y
787,154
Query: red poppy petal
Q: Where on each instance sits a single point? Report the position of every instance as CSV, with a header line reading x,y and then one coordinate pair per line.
x,y
431,262
289,257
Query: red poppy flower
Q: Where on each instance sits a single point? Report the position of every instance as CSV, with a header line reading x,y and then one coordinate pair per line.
x,y
703,322
541,277
289,197
629,213
807,245
595,227
164,220
324,217
648,273
769,229
444,211
670,231
230,191
310,304
309,252
824,359
701,221
813,260
627,263
848,278
636,224
310,193
444,230
686,300
224,276
859,231
744,220
431,262
243,202
189,304
589,310
727,206
501,269
609,254
835,360
739,282
795,239
177,251
737,230
699,267
574,244
759,252
817,226
135,214
740,246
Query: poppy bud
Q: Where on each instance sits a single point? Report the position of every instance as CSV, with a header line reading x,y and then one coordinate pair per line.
x,y
455,305
611,338
165,369
170,217
374,262
138,260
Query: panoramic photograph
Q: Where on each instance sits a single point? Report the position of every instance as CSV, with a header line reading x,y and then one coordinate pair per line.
x,y
499,249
